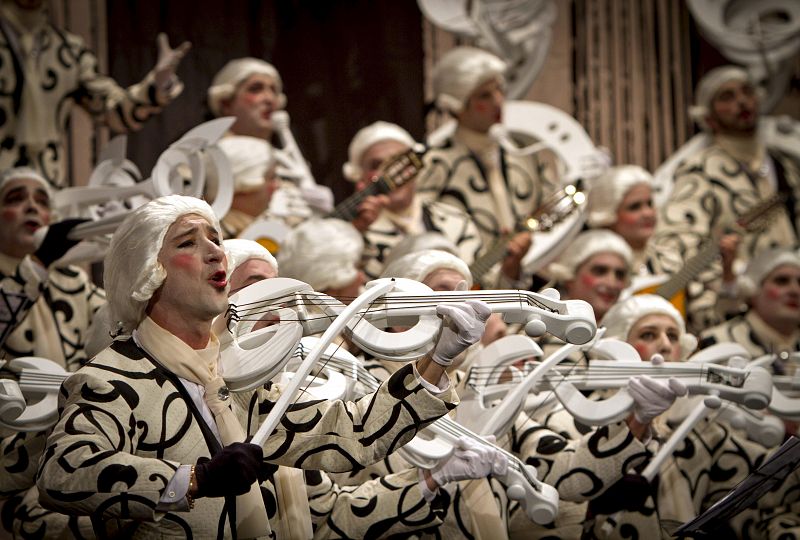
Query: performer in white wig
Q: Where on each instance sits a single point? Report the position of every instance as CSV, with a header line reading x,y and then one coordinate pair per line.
x,y
594,268
373,145
248,262
687,483
47,71
716,187
166,274
325,253
47,311
652,325
469,169
251,90
771,288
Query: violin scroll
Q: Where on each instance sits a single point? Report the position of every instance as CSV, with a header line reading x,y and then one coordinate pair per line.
x,y
12,402
540,506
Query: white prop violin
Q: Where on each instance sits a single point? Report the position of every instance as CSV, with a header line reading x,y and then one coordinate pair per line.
x,y
259,355
30,403
436,443
750,386
114,187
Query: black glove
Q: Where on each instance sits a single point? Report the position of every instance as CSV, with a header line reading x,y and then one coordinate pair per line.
x,y
56,243
231,472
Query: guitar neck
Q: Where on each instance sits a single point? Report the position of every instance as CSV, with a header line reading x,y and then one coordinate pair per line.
x,y
347,210
756,219
690,269
481,266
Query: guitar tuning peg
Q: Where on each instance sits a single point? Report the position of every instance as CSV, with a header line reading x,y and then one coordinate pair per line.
x,y
535,327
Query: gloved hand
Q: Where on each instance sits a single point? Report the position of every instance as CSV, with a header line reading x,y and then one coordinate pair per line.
x,y
652,397
56,243
231,472
470,460
318,197
168,60
463,326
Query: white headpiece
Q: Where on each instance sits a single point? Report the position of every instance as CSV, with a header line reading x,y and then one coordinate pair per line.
x,y
322,252
459,72
609,190
586,245
707,88
250,158
227,79
420,264
240,250
18,173
366,137
761,265
132,271
623,315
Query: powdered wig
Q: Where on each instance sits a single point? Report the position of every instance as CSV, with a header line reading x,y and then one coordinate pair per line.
x,y
232,74
623,315
420,264
707,88
459,72
586,245
250,159
761,265
24,173
132,271
239,251
609,190
323,253
374,133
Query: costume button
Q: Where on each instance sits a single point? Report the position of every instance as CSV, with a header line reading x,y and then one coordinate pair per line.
x,y
223,393
171,493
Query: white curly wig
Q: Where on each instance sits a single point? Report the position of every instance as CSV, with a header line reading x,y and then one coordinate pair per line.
x,y
132,271
232,74
619,320
459,72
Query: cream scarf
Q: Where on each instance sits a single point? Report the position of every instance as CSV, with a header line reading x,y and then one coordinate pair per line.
x,y
46,339
749,151
33,126
201,367
488,152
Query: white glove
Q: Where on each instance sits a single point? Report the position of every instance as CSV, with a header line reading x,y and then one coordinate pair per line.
x,y
463,326
318,197
470,460
168,60
652,397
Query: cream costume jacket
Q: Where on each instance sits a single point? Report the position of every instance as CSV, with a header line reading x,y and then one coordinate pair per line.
x,y
472,173
711,191
127,424
389,229
752,333
45,71
57,313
